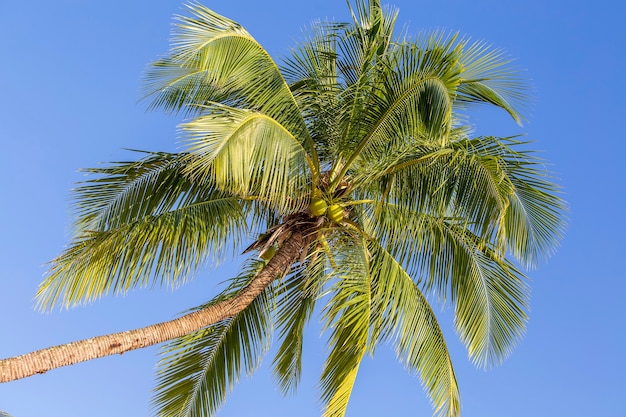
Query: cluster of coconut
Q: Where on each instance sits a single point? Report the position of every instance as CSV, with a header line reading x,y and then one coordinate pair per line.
x,y
319,207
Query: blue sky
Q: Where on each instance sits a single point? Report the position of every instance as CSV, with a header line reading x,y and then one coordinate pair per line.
x,y
70,77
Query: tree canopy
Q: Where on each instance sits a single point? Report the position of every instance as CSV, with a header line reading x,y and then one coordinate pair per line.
x,y
353,165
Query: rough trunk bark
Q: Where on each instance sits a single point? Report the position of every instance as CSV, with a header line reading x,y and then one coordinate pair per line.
x,y
41,361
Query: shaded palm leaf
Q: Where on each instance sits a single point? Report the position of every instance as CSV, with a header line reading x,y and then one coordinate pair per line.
x,y
124,192
163,248
298,295
199,369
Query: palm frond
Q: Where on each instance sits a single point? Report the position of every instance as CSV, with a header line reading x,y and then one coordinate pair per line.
x,y
491,298
373,27
501,191
362,55
198,370
423,82
311,71
489,293
163,248
418,86
214,59
401,314
347,313
488,76
123,192
534,220
423,180
250,154
296,301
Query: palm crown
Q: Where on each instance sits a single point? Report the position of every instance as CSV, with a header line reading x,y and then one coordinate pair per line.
x,y
352,164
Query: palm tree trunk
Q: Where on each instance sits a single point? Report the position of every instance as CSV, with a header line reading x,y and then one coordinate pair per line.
x,y
41,361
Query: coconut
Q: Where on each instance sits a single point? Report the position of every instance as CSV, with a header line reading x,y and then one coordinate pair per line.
x,y
268,253
318,207
335,213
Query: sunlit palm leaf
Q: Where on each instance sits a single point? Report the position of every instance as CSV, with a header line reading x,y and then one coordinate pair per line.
x,y
417,89
419,111
199,369
490,295
401,314
362,51
250,154
347,314
534,217
312,74
424,180
214,59
421,84
502,193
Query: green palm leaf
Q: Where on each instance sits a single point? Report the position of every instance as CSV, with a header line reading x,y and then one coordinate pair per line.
x,y
136,219
214,59
362,52
312,73
415,99
250,154
347,314
199,369
501,190
401,314
502,193
297,298
534,217
124,192
490,295
489,77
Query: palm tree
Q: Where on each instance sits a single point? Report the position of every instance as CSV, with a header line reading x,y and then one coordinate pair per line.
x,y
352,166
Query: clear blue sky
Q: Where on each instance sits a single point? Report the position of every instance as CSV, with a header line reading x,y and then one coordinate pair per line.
x,y
70,75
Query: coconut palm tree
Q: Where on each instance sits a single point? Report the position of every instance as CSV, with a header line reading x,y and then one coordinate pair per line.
x,y
354,169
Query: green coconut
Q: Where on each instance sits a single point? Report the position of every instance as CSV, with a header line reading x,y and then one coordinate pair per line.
x,y
268,253
318,207
335,213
